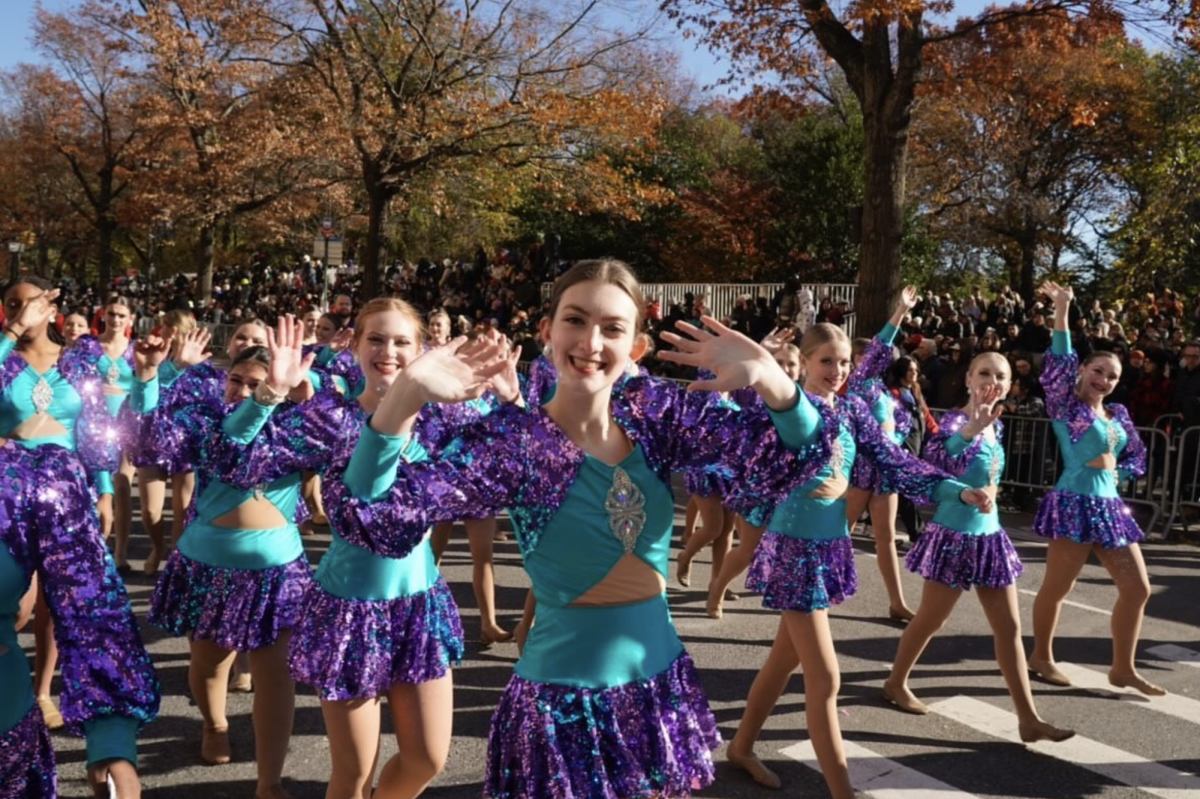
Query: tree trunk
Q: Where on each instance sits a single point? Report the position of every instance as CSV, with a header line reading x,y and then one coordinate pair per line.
x,y
106,229
1028,245
205,249
379,195
885,150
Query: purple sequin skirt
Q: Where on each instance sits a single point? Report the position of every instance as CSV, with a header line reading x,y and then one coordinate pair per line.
x,y
27,768
960,561
863,475
237,609
651,738
704,484
150,449
801,574
359,649
1087,520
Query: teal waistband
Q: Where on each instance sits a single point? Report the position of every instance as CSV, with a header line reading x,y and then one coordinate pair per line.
x,y
114,402
600,647
965,519
17,697
232,548
1090,482
352,572
810,519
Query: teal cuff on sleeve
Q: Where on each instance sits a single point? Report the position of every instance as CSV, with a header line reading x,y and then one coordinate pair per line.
x,y
245,423
957,445
798,426
7,345
1061,343
168,373
104,482
315,379
111,738
888,334
144,397
949,490
372,468
326,355
341,385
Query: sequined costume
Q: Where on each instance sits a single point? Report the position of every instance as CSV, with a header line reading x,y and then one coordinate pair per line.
x,y
1084,506
69,393
962,546
117,375
238,588
805,560
604,702
48,526
161,443
538,388
339,364
368,622
866,382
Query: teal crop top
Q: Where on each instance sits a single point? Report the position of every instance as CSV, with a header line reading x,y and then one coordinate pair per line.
x,y
812,518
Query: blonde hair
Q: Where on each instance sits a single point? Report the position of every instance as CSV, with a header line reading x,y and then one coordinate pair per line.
x,y
602,270
991,354
182,322
383,305
818,336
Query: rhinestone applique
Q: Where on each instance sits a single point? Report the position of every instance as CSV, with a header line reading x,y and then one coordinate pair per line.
x,y
625,505
112,375
259,490
42,395
994,466
837,455
1114,440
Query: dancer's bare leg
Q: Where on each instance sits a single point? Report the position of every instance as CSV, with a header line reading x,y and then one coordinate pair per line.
x,y
690,514
1128,571
274,711
856,503
768,686
1064,560
736,562
937,601
883,528
422,715
712,519
182,487
439,539
480,533
353,730
152,494
45,659
122,509
208,678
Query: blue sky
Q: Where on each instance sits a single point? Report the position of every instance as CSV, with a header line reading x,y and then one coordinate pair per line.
x,y
15,46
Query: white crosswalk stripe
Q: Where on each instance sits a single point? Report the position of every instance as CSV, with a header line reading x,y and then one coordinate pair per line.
x,y
1150,778
880,777
1181,707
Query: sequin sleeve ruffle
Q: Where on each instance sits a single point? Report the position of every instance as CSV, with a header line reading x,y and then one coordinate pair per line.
x,y
866,379
897,470
1132,460
341,365
303,437
955,462
542,376
105,668
684,431
1059,371
99,437
484,470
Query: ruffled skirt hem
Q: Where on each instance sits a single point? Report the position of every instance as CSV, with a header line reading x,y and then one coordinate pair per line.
x,y
27,766
236,609
651,738
358,649
961,561
801,574
1087,520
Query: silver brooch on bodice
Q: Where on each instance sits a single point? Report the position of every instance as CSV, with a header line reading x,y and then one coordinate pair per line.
x,y
42,395
112,375
837,456
626,508
994,466
259,490
1114,438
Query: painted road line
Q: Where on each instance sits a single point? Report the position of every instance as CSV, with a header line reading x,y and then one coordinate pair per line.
x,y
1073,604
880,777
1181,707
1176,653
1147,776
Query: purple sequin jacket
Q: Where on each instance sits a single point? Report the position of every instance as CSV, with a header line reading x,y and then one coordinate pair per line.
x,y
521,460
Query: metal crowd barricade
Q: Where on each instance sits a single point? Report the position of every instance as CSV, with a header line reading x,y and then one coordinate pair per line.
x,y
1186,486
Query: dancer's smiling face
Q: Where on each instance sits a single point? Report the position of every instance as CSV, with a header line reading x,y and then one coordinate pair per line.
x,y
788,358
242,380
385,343
989,369
594,335
826,368
251,334
1098,377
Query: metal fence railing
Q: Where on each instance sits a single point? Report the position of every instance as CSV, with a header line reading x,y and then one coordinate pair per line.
x,y
1186,485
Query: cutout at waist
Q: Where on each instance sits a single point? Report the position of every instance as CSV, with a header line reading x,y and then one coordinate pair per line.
x,y
631,579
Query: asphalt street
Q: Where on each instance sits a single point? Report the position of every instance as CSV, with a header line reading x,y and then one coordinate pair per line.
x,y
1127,746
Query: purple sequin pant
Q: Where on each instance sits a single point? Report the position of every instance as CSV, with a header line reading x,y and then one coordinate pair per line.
x,y
27,768
358,649
802,574
650,738
960,561
1087,520
236,609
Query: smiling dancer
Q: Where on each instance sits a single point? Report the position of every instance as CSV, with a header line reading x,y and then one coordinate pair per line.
x,y
1084,513
605,701
963,548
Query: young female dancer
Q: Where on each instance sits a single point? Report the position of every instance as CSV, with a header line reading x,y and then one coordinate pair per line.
x,y
439,328
371,627
75,326
962,548
866,382
750,526
805,562
45,402
188,344
605,701
109,686
111,356
235,581
1084,514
